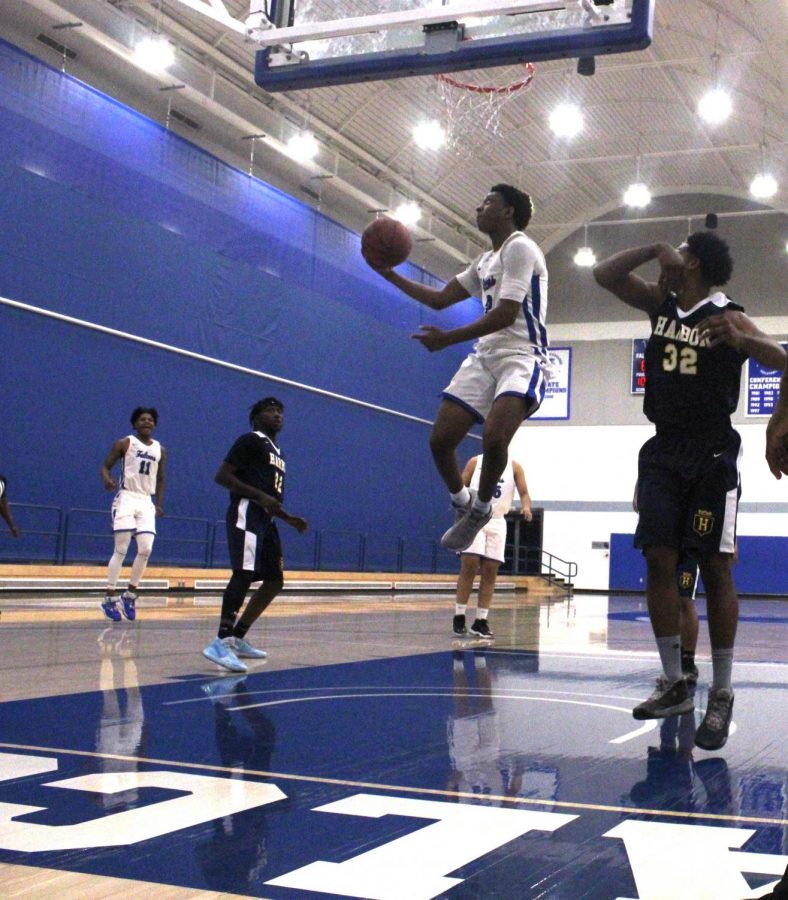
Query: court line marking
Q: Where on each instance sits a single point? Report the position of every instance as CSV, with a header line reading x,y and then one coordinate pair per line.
x,y
364,785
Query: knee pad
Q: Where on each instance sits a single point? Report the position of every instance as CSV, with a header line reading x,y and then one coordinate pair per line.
x,y
144,545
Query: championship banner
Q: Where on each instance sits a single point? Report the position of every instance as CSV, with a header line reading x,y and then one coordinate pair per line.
x,y
556,399
763,388
638,382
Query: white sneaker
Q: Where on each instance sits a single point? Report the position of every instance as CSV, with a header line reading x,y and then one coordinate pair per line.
x,y
218,652
243,648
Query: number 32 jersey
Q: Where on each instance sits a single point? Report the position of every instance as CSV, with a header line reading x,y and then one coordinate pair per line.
x,y
691,389
140,467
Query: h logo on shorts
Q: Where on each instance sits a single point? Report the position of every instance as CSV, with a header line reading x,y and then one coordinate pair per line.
x,y
702,522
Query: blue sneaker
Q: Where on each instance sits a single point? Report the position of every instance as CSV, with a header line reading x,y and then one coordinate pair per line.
x,y
110,608
222,654
128,605
243,648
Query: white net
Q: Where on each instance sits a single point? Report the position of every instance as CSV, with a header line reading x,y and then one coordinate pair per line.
x,y
473,105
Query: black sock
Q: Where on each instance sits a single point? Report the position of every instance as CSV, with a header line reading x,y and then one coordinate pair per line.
x,y
232,601
240,630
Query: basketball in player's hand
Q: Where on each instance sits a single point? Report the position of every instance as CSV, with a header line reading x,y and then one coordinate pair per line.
x,y
385,243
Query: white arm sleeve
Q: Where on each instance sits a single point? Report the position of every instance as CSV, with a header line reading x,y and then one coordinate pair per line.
x,y
519,260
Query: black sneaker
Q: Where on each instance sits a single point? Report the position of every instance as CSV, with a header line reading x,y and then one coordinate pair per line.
x,y
481,629
459,625
667,700
713,731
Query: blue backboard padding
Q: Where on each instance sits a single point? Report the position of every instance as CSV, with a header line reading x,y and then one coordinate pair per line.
x,y
483,53
760,568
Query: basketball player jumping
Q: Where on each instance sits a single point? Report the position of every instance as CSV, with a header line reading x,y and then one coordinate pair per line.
x,y
503,380
688,473
254,473
133,510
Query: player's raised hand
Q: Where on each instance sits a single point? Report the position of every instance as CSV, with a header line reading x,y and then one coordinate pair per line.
x,y
671,264
777,442
432,337
724,328
297,522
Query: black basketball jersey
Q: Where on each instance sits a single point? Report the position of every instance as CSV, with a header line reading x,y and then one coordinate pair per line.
x,y
258,462
691,389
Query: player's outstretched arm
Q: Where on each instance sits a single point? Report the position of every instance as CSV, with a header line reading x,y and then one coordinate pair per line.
x,y
502,316
467,472
118,451
435,298
161,482
616,274
738,330
522,489
5,512
226,477
777,433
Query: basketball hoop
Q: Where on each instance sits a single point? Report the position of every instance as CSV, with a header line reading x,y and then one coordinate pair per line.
x,y
473,104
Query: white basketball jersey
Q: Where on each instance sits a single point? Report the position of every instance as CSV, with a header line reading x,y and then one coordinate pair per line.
x,y
140,467
516,271
503,495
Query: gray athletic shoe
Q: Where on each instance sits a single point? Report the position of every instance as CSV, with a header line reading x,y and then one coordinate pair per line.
x,y
460,536
667,700
713,731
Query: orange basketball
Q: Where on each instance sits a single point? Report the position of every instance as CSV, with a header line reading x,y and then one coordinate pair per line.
x,y
385,243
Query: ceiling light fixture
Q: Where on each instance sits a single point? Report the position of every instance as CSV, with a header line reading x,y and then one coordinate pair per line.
x,y
154,54
715,106
763,186
566,120
637,194
585,256
408,212
429,135
303,147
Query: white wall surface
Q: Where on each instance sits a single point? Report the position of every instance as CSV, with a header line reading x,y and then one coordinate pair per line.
x,y
597,466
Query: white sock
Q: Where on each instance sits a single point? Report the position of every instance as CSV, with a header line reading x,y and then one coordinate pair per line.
x,y
459,609
461,498
482,613
482,506
670,655
722,668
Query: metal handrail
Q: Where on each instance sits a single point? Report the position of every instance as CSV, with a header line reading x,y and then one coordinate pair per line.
x,y
551,567
57,535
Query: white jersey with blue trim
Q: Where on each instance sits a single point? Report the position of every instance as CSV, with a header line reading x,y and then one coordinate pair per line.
x,y
503,495
517,271
140,467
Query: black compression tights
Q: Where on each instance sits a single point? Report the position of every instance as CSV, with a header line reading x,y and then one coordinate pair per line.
x,y
233,600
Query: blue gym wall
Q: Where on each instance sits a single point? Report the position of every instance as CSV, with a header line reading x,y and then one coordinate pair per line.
x,y
110,219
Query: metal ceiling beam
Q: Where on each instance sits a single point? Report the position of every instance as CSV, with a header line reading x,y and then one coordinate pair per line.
x,y
243,125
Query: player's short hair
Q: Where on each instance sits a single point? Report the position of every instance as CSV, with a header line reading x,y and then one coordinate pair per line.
x,y
264,404
141,410
714,256
520,201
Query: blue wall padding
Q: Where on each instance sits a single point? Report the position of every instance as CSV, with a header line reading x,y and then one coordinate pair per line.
x,y
760,568
109,218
